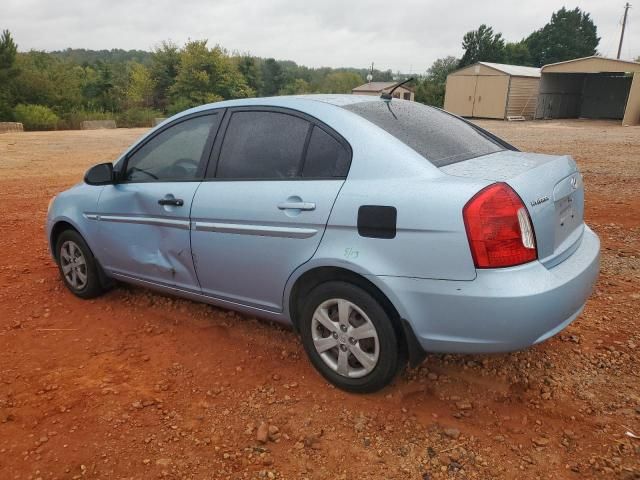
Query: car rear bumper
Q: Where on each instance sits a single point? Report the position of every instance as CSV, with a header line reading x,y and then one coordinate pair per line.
x,y
501,310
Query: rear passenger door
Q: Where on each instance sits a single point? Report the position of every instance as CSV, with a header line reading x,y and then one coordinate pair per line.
x,y
263,207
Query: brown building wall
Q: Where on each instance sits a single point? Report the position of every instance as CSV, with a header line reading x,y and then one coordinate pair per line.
x,y
632,112
481,96
523,97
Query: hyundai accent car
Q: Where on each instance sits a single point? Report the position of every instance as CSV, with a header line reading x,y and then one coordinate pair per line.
x,y
379,228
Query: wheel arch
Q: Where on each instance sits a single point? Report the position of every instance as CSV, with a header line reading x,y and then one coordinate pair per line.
x,y
62,225
58,228
312,277
64,222
317,275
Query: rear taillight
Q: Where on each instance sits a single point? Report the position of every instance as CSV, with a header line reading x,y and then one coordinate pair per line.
x,y
499,228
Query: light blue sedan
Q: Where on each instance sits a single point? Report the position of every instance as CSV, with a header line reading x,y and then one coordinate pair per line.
x,y
379,228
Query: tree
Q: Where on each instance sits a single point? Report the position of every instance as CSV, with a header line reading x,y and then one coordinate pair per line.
x,y
297,87
482,45
248,67
46,80
165,60
99,88
341,82
442,67
8,72
273,79
206,75
517,54
140,86
569,34
431,90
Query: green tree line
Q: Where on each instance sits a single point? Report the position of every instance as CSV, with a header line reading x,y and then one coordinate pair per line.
x,y
49,90
569,34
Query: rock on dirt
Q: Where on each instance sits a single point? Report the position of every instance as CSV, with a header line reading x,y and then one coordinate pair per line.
x,y
262,434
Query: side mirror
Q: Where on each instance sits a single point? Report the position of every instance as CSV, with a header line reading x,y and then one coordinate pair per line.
x,y
101,174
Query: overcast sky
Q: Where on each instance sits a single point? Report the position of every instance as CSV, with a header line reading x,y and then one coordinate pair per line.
x,y
404,35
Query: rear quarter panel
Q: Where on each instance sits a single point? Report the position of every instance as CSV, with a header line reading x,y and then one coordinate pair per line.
x,y
430,239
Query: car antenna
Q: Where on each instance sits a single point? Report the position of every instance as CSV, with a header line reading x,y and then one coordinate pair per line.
x,y
389,96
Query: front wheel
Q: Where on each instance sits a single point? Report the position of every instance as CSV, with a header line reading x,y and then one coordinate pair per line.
x,y
349,337
78,268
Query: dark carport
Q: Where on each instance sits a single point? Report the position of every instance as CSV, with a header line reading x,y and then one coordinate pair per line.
x,y
591,87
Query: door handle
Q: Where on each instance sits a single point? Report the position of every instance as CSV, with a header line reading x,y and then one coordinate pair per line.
x,y
297,206
177,202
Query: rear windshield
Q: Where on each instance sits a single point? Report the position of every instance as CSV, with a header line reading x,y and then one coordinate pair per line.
x,y
439,137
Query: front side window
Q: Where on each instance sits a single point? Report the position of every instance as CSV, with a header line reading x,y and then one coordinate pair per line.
x,y
174,154
262,145
438,136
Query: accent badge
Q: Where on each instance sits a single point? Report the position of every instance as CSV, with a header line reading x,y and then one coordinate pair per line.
x,y
539,201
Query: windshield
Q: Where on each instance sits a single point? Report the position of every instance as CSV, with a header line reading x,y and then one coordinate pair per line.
x,y
439,137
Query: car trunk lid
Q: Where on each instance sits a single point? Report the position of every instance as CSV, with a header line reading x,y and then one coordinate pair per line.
x,y
550,187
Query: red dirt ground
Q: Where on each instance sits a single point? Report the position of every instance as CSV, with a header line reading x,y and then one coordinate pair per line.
x,y
140,385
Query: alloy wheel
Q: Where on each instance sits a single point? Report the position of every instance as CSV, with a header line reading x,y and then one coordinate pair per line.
x,y
345,338
74,265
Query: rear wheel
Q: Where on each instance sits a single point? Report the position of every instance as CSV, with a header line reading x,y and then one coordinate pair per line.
x,y
349,337
78,268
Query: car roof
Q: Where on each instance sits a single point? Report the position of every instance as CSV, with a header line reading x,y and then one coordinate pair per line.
x,y
290,101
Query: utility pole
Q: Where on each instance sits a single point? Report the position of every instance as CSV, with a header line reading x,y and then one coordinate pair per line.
x,y
624,24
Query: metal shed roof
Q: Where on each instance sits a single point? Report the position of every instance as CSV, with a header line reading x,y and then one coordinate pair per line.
x,y
592,64
514,70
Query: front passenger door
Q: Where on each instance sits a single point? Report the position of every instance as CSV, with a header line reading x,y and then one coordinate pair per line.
x,y
144,218
262,212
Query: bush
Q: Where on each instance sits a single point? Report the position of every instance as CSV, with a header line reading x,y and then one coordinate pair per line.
x,y
35,117
179,105
137,117
72,120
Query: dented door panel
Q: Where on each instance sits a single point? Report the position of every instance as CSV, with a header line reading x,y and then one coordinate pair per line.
x,y
138,237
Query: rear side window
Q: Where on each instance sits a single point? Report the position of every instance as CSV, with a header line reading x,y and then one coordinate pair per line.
x,y
439,137
326,156
262,145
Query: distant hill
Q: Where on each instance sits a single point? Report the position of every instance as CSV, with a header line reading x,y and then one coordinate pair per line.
x,y
83,56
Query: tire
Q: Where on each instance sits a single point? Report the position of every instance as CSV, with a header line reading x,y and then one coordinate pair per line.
x,y
372,361
75,261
